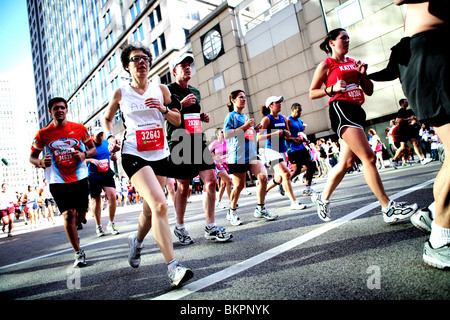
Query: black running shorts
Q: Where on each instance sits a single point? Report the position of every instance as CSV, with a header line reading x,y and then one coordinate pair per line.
x,y
346,114
73,195
426,77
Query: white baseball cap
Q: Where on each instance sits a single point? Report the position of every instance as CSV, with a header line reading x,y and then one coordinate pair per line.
x,y
274,99
180,59
97,130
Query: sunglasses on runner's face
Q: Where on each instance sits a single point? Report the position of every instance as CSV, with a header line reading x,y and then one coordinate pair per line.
x,y
138,58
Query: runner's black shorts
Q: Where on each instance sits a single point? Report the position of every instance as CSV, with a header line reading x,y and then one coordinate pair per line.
x,y
345,114
426,78
241,167
188,159
73,195
132,164
96,184
299,156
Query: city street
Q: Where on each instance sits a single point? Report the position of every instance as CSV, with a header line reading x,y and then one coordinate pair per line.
x,y
356,256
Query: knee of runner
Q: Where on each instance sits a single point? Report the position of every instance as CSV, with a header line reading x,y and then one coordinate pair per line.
x,y
70,215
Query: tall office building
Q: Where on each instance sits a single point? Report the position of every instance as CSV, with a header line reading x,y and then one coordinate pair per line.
x,y
18,125
76,46
265,47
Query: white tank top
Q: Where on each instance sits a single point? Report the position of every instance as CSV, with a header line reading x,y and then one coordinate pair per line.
x,y
145,132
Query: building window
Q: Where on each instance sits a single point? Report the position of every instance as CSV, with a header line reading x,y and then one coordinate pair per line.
x,y
109,40
155,17
112,62
349,13
159,45
138,34
107,18
165,78
218,82
135,9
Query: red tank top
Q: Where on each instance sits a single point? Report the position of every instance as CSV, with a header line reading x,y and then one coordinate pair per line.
x,y
343,71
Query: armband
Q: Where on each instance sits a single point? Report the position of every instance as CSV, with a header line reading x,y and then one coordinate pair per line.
x,y
109,136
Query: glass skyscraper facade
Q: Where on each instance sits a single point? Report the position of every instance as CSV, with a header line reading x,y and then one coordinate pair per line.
x,y
76,46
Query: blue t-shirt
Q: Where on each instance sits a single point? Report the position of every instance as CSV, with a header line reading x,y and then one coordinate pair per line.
x,y
296,127
276,143
103,155
240,149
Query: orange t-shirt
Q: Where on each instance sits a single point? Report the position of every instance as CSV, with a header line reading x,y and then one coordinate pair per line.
x,y
63,144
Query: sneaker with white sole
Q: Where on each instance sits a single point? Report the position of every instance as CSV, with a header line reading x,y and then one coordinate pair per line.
x,y
111,227
183,236
233,218
437,258
422,220
217,234
80,259
99,231
397,211
134,255
220,205
323,206
179,275
297,206
265,213
424,161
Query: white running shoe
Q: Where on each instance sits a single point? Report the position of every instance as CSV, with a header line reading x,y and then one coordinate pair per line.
x,y
111,227
80,259
297,206
99,231
179,275
233,218
397,211
134,255
323,207
265,213
422,220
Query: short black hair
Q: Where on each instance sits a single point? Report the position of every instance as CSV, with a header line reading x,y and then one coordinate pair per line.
x,y
52,101
125,55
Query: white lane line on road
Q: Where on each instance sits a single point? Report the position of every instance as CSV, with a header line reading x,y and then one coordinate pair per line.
x,y
262,257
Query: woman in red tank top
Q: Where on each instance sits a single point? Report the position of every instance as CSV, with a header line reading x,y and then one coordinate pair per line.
x,y
345,84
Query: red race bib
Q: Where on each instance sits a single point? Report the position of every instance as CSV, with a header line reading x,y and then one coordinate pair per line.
x,y
354,94
250,134
103,165
192,123
150,138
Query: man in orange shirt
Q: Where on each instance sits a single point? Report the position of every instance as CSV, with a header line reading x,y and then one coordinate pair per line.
x,y
69,145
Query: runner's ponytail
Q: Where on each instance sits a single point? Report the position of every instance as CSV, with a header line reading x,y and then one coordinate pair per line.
x,y
332,35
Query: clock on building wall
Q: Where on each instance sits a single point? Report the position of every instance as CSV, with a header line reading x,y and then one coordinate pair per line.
x,y
212,44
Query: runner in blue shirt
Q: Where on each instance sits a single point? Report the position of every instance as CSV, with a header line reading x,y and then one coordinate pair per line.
x,y
239,130
274,129
298,153
101,177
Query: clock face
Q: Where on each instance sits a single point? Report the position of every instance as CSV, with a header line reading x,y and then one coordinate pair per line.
x,y
212,45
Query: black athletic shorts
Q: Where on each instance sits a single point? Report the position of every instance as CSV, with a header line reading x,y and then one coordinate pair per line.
x,y
73,195
299,156
188,159
132,164
426,77
96,184
346,114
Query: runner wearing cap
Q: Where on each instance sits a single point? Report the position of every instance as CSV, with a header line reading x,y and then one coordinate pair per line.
x,y
101,177
190,156
274,129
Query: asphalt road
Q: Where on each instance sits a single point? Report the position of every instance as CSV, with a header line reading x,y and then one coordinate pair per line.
x,y
354,257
